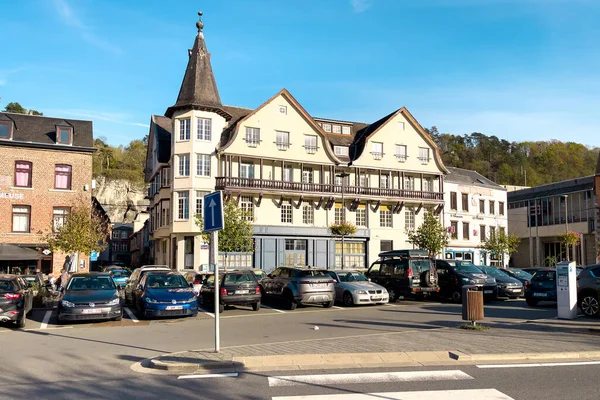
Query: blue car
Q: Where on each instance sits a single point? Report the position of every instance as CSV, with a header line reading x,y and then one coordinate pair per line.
x,y
165,294
120,276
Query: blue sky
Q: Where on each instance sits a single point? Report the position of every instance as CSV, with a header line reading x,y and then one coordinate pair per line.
x,y
517,69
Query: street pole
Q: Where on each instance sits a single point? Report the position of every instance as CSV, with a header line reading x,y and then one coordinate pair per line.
x,y
213,258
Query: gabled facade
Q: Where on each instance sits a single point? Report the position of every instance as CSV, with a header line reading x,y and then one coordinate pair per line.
x,y
294,175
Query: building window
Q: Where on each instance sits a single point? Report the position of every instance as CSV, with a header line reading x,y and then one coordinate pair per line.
x,y
21,217
283,110
465,229
502,230
501,207
204,128
183,202
482,206
247,207
453,229
123,234
287,174
327,127
482,235
63,135
427,185
184,164
337,129
308,214
203,165
345,130
465,202
282,140
163,217
307,175
166,177
339,213
377,150
492,207
124,247
247,171
199,199
252,137
363,180
453,201
401,152
5,130
184,129
340,150
62,177
409,219
385,216
59,217
310,144
384,182
23,174
361,215
286,213
115,247
424,155
115,235
409,183
401,125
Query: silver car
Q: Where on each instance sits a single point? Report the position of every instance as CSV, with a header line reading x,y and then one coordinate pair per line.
x,y
299,285
353,288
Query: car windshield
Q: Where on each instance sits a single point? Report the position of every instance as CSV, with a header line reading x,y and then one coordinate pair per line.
x,y
30,278
6,286
521,274
120,273
77,283
352,277
236,279
302,273
166,281
495,272
465,267
544,276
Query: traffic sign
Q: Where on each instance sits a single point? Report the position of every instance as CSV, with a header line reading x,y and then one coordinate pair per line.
x,y
94,256
213,211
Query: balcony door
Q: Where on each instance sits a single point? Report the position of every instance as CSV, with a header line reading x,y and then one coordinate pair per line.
x,y
247,171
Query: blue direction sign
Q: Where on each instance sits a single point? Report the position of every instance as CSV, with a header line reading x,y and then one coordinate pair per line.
x,y
213,211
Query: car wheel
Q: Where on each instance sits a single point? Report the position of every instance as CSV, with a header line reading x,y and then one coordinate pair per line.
x,y
119,318
21,322
392,294
589,305
221,307
291,304
531,302
328,304
456,296
256,306
348,300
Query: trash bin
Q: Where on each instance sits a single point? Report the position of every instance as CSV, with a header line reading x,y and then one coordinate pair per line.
x,y
472,303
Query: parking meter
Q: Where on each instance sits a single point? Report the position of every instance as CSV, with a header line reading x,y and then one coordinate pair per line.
x,y
566,290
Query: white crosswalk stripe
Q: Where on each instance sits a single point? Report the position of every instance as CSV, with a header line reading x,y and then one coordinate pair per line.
x,y
465,394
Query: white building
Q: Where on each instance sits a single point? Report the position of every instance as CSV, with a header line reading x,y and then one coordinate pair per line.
x,y
475,207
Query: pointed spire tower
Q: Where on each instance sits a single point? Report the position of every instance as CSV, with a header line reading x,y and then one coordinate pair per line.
x,y
198,90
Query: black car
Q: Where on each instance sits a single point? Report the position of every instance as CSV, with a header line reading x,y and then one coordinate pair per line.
x,y
235,288
90,296
588,290
405,273
507,285
541,287
519,274
16,300
454,274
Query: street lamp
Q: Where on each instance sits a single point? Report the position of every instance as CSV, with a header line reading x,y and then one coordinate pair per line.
x,y
343,175
566,197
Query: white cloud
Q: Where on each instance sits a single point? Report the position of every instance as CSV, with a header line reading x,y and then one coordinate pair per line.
x,y
359,6
71,19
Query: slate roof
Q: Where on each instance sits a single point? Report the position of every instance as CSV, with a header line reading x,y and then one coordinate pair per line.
x,y
470,177
237,113
552,189
358,145
162,134
42,130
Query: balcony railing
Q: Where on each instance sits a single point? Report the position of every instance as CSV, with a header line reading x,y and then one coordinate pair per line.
x,y
223,183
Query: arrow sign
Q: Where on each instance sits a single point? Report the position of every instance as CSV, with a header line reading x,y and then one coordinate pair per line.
x,y
213,212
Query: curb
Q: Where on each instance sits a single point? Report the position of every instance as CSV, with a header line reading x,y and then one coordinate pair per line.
x,y
213,366
460,356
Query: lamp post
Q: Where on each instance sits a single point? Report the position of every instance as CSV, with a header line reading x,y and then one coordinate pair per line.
x,y
343,175
566,197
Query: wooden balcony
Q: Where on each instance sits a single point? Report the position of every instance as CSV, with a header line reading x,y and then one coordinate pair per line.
x,y
265,185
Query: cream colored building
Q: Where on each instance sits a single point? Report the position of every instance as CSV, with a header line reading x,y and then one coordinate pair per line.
x,y
293,173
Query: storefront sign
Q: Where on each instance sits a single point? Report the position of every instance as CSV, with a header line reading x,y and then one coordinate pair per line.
x,y
14,196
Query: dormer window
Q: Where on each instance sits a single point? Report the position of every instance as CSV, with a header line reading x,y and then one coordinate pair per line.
x,y
5,130
64,135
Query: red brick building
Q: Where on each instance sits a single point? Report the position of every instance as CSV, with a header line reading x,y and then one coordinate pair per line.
x,y
46,168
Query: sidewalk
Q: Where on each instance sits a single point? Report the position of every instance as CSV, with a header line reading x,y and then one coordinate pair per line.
x,y
539,340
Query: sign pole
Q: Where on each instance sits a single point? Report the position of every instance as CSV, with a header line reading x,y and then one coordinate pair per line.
x,y
212,210
214,251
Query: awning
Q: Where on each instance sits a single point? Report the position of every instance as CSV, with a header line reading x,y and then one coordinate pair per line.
x,y
12,252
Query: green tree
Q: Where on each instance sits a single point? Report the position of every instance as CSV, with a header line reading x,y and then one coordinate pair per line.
x,y
569,239
236,235
500,243
15,107
342,230
430,236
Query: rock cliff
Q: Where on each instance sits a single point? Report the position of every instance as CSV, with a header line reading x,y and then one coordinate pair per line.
x,y
121,199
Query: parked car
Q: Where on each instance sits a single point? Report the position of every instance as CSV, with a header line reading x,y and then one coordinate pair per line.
x,y
541,287
16,300
507,285
519,274
299,285
109,268
90,296
354,288
588,290
196,279
404,273
259,273
136,277
235,288
532,270
35,282
120,276
165,293
454,274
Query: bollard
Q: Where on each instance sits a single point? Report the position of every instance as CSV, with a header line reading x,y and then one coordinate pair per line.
x,y
472,304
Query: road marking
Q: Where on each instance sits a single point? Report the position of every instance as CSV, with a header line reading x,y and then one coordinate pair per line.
x,y
131,315
206,312
338,307
271,308
223,375
409,376
532,365
46,319
471,394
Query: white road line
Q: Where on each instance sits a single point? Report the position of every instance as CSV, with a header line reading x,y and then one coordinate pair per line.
x,y
206,312
471,394
271,308
339,308
409,376
223,375
131,315
532,365
46,319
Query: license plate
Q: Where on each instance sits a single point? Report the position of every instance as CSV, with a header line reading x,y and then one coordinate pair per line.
x,y
318,285
540,295
242,291
488,291
376,298
174,307
92,311
516,290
